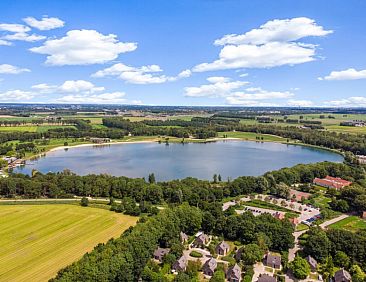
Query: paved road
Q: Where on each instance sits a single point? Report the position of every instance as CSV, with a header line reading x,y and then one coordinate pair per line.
x,y
334,220
297,234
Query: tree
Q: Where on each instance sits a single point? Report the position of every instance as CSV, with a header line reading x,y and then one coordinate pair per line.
x,y
341,259
357,274
219,276
3,163
84,202
219,178
252,253
327,268
215,178
151,178
300,267
317,244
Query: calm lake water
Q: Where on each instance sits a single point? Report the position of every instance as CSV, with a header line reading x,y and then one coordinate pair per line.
x,y
173,161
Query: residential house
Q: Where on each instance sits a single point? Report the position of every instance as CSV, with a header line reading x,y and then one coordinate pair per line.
x,y
201,240
160,253
313,263
342,276
238,254
363,216
332,182
234,274
183,237
294,220
222,248
279,215
266,278
180,265
273,260
209,267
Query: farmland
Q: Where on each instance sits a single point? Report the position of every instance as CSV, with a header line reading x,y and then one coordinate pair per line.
x,y
38,240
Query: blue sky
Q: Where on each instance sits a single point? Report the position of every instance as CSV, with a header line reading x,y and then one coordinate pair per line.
x,y
209,52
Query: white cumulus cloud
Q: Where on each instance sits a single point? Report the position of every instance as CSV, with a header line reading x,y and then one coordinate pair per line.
x,y
45,23
10,69
83,47
139,75
69,86
273,44
349,74
356,101
17,32
218,87
104,98
16,96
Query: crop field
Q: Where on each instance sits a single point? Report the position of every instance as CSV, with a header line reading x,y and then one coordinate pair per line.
x,y
38,240
29,128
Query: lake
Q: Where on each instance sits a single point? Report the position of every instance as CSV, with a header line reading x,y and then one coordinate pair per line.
x,y
173,161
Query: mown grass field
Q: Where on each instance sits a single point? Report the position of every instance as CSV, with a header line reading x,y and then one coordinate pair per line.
x,y
252,136
351,223
38,240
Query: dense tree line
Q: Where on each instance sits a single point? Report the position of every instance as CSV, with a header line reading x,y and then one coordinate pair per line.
x,y
332,243
355,143
124,259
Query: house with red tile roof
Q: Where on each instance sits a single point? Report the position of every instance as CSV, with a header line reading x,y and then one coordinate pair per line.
x,y
332,182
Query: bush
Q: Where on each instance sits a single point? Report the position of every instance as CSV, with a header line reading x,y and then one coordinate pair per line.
x,y
84,202
196,254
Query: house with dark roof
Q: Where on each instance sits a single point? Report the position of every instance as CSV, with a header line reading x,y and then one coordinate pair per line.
x,y
201,240
209,267
266,278
238,254
234,273
180,264
342,276
160,253
183,237
313,263
273,260
222,248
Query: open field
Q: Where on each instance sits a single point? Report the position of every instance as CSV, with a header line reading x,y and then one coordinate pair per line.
x,y
38,240
29,128
351,223
252,136
331,124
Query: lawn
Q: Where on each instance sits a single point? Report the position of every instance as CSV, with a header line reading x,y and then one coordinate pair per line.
x,y
351,223
252,136
38,240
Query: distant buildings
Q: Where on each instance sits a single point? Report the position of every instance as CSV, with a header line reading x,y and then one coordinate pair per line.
x,y
332,182
100,140
361,159
357,123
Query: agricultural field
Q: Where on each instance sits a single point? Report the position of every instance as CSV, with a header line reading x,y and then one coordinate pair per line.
x,y
38,240
351,223
29,128
331,124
